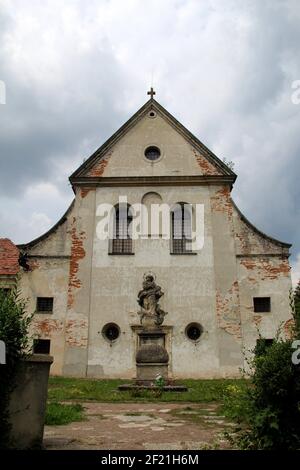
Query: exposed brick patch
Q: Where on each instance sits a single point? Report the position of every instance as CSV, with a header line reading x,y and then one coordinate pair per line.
x,y
228,314
76,332
221,201
48,327
99,167
85,191
266,268
33,264
244,242
206,167
257,320
288,328
77,254
9,258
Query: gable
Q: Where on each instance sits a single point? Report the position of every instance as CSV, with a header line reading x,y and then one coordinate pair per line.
x,y
182,154
249,239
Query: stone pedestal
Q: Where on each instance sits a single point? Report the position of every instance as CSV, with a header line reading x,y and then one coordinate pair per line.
x,y
27,405
152,359
147,373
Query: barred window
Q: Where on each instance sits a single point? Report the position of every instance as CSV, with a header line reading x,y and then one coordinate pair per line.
x,y
44,304
121,243
41,346
262,304
181,227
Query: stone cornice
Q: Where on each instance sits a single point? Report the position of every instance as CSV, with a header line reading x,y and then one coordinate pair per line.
x,y
284,254
153,180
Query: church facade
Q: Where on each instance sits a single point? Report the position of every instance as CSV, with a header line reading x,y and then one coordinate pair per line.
x,y
218,297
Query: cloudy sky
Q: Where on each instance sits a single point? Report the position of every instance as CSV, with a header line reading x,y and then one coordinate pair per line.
x,y
75,70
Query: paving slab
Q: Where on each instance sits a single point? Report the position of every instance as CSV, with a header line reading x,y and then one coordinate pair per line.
x,y
134,426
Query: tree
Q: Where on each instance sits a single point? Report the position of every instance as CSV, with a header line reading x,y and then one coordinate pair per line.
x,y
14,332
297,309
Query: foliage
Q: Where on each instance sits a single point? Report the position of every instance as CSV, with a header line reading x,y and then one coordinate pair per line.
x,y
268,408
235,401
296,310
261,347
137,392
297,293
67,388
58,413
159,384
229,163
159,381
14,331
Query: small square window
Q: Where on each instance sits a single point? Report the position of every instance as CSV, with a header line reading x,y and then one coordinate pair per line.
x,y
262,345
41,346
5,290
262,304
44,304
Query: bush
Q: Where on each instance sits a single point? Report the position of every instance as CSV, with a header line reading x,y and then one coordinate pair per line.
x,y
269,407
235,401
14,331
274,414
296,309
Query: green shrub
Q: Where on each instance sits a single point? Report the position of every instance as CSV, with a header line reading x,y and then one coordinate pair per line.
x,y
236,401
274,413
268,409
58,413
295,301
14,331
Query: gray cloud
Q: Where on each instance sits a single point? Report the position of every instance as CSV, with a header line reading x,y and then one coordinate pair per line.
x,y
76,70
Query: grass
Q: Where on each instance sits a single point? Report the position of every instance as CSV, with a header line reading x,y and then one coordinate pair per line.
x,y
58,413
65,388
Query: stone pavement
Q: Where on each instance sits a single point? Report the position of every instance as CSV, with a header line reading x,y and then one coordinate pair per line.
x,y
148,426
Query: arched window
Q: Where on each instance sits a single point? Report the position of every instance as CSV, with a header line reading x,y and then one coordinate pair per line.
x,y
153,227
181,228
121,242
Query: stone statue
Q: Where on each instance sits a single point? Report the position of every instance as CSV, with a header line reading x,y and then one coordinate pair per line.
x,y
148,298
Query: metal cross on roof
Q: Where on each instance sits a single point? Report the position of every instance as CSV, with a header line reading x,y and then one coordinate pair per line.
x,y
151,92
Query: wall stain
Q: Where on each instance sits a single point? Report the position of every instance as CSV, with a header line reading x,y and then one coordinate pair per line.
x,y
227,308
76,333
47,327
77,254
221,201
85,191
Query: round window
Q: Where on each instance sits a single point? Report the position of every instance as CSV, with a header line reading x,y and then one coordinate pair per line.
x,y
111,332
152,114
193,331
152,153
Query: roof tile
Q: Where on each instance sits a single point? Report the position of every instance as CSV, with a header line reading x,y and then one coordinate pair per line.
x,y
9,257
